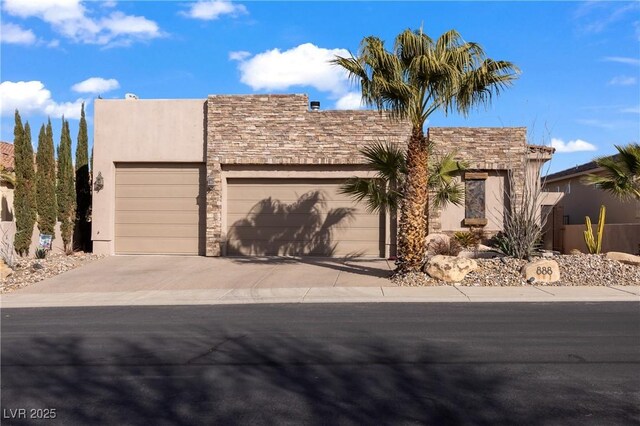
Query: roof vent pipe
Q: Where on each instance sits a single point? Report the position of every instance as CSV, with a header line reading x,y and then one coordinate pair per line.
x,y
315,105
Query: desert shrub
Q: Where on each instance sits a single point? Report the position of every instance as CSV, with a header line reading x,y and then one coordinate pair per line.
x,y
41,253
502,242
439,246
470,238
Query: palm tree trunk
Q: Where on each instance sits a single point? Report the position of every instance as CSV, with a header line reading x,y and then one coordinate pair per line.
x,y
413,220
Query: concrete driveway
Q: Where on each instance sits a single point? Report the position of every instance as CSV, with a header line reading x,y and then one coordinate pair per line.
x,y
144,273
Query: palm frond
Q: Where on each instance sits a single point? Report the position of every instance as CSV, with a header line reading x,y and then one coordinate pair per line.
x,y
621,173
375,193
452,193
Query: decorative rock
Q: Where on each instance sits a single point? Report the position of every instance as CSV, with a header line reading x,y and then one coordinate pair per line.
x,y
450,268
480,254
545,271
627,258
575,251
431,237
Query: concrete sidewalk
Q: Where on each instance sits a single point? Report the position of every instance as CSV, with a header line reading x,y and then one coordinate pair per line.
x,y
324,295
184,280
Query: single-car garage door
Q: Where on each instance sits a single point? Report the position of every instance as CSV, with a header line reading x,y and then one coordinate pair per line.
x,y
160,208
298,217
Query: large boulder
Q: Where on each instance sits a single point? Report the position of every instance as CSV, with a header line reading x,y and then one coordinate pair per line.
x,y
541,271
433,237
5,270
449,268
627,258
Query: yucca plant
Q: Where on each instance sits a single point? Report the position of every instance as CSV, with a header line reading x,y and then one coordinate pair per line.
x,y
41,253
413,80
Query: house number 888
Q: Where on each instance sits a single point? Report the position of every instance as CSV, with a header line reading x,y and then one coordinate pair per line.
x,y
544,270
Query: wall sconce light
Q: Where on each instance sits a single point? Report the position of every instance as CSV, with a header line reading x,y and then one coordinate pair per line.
x,y
210,182
98,183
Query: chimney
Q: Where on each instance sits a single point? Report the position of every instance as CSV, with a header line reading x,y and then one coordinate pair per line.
x,y
314,105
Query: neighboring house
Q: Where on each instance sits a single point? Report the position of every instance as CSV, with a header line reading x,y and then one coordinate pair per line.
x,y
582,199
6,189
260,175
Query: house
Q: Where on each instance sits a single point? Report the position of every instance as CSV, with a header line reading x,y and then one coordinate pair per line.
x,y
7,164
579,200
261,175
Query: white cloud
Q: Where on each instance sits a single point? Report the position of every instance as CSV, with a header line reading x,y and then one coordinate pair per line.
x,y
213,9
622,80
598,16
623,60
96,85
31,97
73,20
352,100
633,110
572,146
15,34
239,55
304,65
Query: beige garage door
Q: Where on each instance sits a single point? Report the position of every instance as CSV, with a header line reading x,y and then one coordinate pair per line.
x,y
298,217
160,208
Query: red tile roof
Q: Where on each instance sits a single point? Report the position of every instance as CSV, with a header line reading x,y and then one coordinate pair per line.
x,y
6,155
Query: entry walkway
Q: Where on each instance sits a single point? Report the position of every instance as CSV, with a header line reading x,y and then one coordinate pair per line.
x,y
172,280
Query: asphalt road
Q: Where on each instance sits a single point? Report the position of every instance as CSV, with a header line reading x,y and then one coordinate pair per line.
x,y
371,364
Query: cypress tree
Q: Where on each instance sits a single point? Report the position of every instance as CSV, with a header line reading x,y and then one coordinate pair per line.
x,y
46,182
65,190
24,195
83,187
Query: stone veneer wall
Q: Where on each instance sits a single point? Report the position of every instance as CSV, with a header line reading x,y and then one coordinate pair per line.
x,y
280,130
485,149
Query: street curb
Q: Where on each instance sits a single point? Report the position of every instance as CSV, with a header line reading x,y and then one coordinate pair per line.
x,y
440,294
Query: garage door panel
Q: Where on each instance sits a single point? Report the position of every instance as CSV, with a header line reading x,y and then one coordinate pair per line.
x,y
280,233
301,248
157,191
162,217
156,245
289,194
159,209
261,222
358,219
155,204
152,230
155,178
291,206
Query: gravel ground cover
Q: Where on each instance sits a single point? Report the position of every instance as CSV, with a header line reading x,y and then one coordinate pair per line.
x,y
581,269
28,270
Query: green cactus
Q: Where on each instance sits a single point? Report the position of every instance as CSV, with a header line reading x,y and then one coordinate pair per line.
x,y
594,244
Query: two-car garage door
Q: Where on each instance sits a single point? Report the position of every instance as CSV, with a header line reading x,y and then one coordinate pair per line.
x,y
159,208
296,217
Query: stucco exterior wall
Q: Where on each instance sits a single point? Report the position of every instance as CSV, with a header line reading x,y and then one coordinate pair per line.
x,y
624,237
6,203
280,131
159,130
581,200
452,216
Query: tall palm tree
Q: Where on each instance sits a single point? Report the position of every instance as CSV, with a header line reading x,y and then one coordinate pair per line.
x,y
388,161
621,173
418,77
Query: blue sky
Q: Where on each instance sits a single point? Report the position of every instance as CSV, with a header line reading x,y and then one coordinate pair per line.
x,y
578,90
